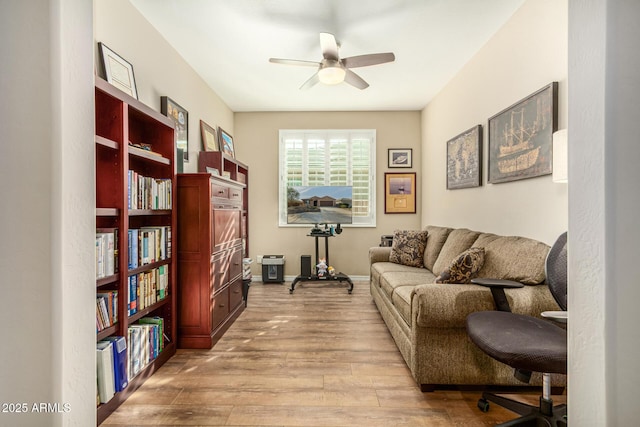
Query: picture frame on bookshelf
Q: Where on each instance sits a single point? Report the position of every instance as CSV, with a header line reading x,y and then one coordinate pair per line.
x,y
226,142
117,70
400,158
180,118
209,140
464,159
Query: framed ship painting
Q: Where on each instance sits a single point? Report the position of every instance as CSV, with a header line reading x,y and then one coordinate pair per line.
x,y
464,159
520,137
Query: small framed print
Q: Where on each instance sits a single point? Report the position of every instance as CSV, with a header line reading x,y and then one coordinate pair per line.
x,y
209,140
400,158
464,159
399,192
180,118
118,71
226,142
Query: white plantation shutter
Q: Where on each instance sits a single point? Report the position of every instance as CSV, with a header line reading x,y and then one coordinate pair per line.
x,y
330,157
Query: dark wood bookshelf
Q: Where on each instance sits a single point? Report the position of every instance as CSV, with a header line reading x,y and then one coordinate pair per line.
x,y
120,120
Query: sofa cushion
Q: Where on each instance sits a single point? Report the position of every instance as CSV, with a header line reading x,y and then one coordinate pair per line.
x,y
513,258
464,268
435,240
408,247
459,240
401,300
390,278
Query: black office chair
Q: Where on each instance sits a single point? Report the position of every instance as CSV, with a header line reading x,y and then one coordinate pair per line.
x,y
527,343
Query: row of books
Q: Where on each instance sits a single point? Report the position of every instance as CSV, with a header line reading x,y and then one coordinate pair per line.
x,y
106,252
119,359
112,375
144,192
147,288
106,309
148,244
146,342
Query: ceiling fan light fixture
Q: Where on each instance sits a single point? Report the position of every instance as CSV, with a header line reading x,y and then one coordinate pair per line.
x,y
332,75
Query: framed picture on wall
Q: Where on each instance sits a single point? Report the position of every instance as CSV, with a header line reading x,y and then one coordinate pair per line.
x,y
180,118
520,137
464,159
400,158
118,71
399,192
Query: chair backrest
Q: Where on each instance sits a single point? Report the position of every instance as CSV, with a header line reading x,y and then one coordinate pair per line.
x,y
556,270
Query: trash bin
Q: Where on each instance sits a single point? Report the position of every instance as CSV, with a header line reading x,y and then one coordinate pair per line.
x,y
273,269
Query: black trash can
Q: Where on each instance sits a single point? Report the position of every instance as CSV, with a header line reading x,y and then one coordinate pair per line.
x,y
273,269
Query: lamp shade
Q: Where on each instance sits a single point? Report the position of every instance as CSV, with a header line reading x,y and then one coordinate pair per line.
x,y
331,75
560,156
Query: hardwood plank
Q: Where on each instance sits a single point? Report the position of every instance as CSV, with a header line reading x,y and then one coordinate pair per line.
x,y
317,357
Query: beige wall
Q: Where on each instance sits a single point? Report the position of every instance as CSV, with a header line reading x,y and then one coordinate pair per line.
x,y
256,141
159,70
529,52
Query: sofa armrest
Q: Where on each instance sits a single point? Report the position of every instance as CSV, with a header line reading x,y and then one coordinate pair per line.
x,y
448,305
379,254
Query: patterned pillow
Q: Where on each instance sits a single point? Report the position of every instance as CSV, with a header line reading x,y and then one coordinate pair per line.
x,y
408,247
464,267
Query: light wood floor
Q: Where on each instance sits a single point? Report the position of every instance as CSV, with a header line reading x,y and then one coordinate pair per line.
x,y
318,357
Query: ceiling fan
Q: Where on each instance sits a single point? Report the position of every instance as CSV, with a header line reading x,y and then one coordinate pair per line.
x,y
333,69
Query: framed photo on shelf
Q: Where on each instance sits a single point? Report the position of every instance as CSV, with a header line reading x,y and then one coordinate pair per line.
x,y
209,140
399,192
226,142
520,137
400,157
117,71
180,118
464,159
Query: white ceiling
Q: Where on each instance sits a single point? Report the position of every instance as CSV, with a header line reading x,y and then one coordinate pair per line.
x,y
229,43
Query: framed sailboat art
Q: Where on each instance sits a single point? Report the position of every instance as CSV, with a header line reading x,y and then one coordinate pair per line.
x,y
520,137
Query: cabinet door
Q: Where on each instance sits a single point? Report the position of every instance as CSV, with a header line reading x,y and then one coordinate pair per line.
x,y
226,225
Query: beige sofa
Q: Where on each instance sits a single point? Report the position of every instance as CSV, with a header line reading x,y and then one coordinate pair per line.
x,y
427,319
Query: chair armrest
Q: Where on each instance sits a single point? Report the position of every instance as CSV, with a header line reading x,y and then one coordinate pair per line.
x,y
497,287
379,254
556,316
497,283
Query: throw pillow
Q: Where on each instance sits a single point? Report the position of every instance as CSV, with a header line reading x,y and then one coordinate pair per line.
x,y
408,247
464,267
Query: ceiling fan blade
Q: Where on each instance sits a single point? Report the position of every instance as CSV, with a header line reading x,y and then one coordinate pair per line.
x,y
329,46
366,60
294,62
311,82
355,80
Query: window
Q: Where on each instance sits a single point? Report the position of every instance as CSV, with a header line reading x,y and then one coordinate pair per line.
x,y
331,157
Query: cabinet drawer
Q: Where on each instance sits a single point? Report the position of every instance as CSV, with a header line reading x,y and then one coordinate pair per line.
x,y
235,264
235,293
219,307
219,191
235,194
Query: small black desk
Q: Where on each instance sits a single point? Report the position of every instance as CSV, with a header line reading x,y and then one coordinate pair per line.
x,y
339,277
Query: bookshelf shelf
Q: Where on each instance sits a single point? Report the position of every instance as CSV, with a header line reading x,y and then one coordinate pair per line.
x,y
107,212
120,120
